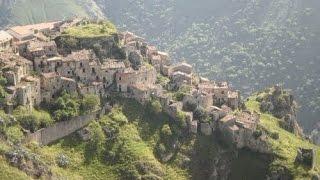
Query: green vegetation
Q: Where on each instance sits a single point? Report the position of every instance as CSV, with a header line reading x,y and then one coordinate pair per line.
x,y
9,172
251,44
123,144
32,119
66,106
90,103
284,144
89,30
36,11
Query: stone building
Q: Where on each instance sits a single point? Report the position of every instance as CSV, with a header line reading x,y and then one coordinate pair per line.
x,y
125,79
181,78
14,67
27,32
5,40
40,49
203,99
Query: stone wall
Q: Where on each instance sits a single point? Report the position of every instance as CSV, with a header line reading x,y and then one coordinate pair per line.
x,y
59,130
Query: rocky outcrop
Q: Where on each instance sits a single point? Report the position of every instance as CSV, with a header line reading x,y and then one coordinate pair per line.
x,y
282,105
306,157
315,135
290,124
28,162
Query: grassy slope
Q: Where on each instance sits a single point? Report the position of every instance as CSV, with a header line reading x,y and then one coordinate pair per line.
x,y
286,146
33,11
91,30
7,171
139,138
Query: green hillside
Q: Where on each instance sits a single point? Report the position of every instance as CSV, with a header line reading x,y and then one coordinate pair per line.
x,y
35,11
252,44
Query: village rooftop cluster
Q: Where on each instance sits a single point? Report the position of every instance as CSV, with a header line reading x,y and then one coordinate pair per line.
x,y
36,73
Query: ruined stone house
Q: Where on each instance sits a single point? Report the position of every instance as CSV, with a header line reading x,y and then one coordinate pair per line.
x,y
5,41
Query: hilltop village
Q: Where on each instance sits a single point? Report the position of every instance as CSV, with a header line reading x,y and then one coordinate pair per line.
x,y
40,62
37,70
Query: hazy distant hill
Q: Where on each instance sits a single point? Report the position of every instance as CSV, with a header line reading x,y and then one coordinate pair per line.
x,y
32,11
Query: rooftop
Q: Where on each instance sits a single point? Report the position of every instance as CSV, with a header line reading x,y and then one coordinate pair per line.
x,y
39,45
113,64
79,55
50,75
28,29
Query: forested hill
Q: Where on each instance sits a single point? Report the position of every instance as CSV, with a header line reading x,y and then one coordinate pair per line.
x,y
251,43
13,12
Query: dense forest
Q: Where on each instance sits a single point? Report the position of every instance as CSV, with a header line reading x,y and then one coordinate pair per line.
x,y
251,43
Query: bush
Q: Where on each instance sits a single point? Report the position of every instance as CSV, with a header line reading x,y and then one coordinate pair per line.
x,y
66,107
200,114
190,104
90,103
3,81
181,118
32,119
118,117
161,149
97,136
274,135
155,106
62,160
257,134
14,134
166,131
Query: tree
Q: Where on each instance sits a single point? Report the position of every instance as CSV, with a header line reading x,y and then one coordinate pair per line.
x,y
181,118
96,143
90,103
32,119
155,106
200,113
66,106
189,104
135,59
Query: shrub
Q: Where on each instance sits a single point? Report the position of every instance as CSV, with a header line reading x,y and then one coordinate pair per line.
x,y
14,134
32,119
257,134
118,117
166,131
161,149
189,104
274,135
97,136
200,114
3,81
90,103
66,106
62,160
155,106
181,119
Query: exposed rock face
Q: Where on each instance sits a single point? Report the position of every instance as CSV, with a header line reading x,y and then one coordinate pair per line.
x,y
315,135
28,162
221,169
84,134
104,47
281,173
282,105
306,157
206,129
